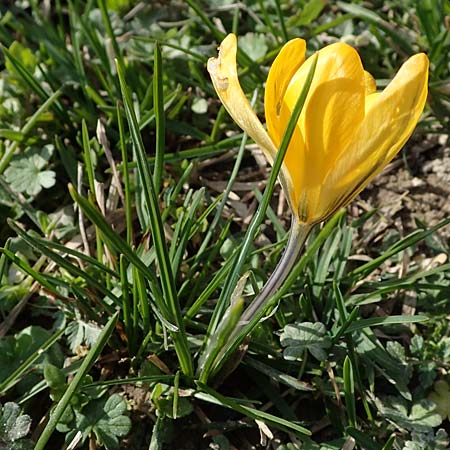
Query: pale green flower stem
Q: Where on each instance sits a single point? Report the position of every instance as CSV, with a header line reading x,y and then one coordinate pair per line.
x,y
297,237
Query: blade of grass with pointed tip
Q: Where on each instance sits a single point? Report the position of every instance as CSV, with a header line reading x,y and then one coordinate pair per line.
x,y
281,20
87,156
227,402
189,227
232,179
3,259
390,443
126,176
140,295
346,320
384,321
128,322
75,384
109,29
349,392
24,267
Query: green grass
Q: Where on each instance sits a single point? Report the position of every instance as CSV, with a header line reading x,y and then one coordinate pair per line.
x,y
130,240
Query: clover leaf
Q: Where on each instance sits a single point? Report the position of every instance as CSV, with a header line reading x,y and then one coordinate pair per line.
x,y
14,427
303,336
254,45
104,418
25,172
419,417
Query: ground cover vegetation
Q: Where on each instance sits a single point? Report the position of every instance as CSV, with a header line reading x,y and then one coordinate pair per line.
x,y
126,198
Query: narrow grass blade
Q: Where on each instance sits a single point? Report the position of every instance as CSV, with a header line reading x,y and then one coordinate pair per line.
x,y
87,157
76,254
212,396
24,267
75,384
109,29
3,259
188,227
383,321
127,310
277,375
166,379
390,443
349,392
281,20
110,236
175,395
157,440
142,300
126,176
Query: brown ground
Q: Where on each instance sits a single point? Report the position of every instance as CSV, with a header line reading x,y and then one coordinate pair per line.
x,y
414,186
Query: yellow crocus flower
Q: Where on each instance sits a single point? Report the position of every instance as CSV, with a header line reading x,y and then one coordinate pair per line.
x,y
345,135
347,132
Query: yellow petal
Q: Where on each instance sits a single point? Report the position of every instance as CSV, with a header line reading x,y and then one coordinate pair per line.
x,y
369,83
333,109
287,62
390,120
224,76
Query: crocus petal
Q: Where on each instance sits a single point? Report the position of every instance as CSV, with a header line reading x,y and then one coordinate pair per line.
x,y
288,61
334,107
369,83
224,76
390,120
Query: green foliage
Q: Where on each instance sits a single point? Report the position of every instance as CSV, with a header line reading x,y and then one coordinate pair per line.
x,y
254,45
103,418
25,172
420,417
16,349
80,333
441,398
299,338
147,239
14,427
